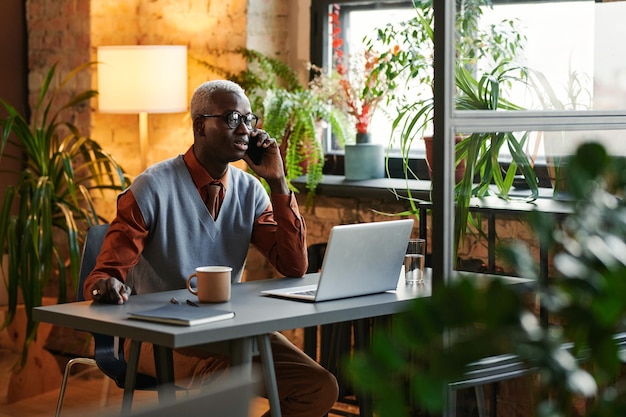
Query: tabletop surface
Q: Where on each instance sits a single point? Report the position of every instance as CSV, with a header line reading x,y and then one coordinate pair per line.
x,y
255,314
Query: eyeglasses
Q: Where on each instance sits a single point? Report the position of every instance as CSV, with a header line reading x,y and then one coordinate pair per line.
x,y
234,119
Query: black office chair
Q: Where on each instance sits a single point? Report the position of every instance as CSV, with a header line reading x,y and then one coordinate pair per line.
x,y
108,352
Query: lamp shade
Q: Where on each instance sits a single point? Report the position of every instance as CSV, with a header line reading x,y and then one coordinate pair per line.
x,y
142,79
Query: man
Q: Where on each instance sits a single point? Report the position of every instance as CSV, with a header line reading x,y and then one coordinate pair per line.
x,y
196,210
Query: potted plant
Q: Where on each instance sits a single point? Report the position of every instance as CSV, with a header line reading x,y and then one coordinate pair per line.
x,y
409,64
357,89
298,118
48,207
480,150
291,112
578,356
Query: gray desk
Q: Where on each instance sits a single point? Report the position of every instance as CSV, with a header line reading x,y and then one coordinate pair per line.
x,y
256,317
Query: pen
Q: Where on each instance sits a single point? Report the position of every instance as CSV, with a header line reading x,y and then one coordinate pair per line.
x,y
173,300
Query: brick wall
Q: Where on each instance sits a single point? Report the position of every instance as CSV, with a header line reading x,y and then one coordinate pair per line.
x,y
327,212
68,32
58,33
204,27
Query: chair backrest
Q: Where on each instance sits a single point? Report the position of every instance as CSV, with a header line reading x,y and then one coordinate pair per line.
x,y
91,249
108,353
316,257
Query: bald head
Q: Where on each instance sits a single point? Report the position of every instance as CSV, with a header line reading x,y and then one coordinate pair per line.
x,y
202,101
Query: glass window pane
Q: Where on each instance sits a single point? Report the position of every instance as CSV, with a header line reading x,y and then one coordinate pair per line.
x,y
358,24
363,24
560,143
568,48
609,60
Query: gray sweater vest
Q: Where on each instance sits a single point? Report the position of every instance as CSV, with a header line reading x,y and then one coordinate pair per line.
x,y
182,234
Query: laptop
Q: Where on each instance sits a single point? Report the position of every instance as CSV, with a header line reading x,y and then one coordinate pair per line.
x,y
360,259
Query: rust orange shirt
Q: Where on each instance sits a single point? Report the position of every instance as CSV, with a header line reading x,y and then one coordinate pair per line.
x,y
279,233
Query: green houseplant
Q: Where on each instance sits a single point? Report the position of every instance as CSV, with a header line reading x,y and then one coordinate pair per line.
x,y
291,112
48,206
409,64
355,88
481,150
577,355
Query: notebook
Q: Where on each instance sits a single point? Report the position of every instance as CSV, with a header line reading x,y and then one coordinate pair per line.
x,y
360,259
182,315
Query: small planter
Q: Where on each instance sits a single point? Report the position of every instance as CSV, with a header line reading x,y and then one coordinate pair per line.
x,y
41,373
364,160
558,147
460,168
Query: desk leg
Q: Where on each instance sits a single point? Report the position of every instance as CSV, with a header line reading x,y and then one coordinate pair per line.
x,y
164,366
241,354
310,341
362,342
269,375
131,376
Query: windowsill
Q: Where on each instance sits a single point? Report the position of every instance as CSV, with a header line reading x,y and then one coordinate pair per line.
x,y
390,188
383,188
334,166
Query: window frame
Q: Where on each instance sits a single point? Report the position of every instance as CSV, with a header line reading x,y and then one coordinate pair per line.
x,y
321,56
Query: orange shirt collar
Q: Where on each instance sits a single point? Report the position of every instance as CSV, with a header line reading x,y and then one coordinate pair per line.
x,y
200,176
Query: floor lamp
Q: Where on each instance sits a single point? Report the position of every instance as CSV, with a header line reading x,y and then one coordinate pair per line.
x,y
142,79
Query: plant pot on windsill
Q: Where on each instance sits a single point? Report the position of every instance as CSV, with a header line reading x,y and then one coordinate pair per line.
x,y
364,160
558,148
459,171
557,171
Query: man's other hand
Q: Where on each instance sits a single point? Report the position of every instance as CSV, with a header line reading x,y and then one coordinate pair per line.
x,y
110,291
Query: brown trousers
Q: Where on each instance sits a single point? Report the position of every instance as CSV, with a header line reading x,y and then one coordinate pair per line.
x,y
305,388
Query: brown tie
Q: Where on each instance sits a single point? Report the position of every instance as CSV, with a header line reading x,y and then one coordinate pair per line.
x,y
214,198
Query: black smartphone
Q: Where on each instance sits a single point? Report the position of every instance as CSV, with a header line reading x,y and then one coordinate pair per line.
x,y
255,152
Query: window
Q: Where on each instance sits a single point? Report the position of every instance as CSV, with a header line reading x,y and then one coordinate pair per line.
x,y
358,20
570,54
569,50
